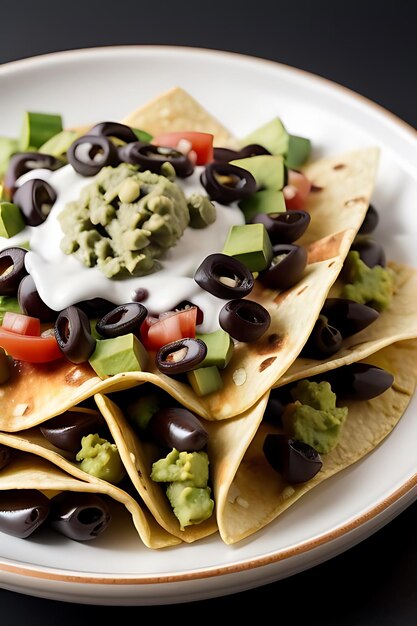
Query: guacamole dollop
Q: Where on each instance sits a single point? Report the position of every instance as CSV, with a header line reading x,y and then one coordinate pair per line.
x,y
101,459
373,286
124,220
188,493
314,417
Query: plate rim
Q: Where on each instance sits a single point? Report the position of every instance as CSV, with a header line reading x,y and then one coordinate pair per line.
x,y
52,574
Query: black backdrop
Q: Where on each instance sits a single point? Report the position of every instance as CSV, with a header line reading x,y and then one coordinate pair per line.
x,y
366,45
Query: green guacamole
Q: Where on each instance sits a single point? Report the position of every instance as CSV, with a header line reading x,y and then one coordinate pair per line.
x,y
314,417
372,286
101,459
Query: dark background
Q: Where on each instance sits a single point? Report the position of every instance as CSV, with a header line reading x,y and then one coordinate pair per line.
x,y
368,46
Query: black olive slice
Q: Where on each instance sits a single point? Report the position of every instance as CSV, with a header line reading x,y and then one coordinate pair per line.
x,y
180,356
22,511
90,153
227,183
12,270
295,460
5,456
224,277
244,320
152,158
225,155
348,316
95,307
251,150
176,427
122,320
79,516
23,162
114,129
274,410
324,340
35,199
283,227
65,431
287,267
359,381
370,251
72,332
370,222
31,303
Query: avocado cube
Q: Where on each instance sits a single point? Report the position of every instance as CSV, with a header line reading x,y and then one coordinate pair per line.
x,y
205,380
271,136
220,348
268,170
118,354
250,244
299,150
11,219
58,144
38,128
265,201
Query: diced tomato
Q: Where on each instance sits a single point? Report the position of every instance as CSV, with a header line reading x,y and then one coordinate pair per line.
x,y
297,190
201,143
22,324
32,349
168,328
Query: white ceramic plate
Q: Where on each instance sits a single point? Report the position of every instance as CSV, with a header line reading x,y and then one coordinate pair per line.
x,y
93,85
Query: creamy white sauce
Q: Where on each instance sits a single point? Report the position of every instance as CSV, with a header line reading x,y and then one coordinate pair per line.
x,y
62,280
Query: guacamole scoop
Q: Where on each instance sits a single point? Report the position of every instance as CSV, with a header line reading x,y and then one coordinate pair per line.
x,y
124,220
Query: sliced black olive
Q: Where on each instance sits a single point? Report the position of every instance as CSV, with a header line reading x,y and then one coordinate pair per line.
x,y
35,199
89,153
370,222
12,270
152,158
5,456
295,460
274,410
66,431
139,295
347,316
284,227
122,320
244,320
176,427
79,516
185,305
224,277
370,251
95,307
226,154
114,129
31,303
180,356
287,267
72,332
324,340
252,149
359,381
23,162
226,183
22,511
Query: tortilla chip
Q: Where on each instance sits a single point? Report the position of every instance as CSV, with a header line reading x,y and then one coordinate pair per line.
x,y
249,493
176,110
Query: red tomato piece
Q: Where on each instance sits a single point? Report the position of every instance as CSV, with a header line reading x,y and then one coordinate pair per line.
x,y
22,324
296,190
32,349
170,327
201,144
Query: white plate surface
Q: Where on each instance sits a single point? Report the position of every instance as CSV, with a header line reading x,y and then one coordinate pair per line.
x,y
94,85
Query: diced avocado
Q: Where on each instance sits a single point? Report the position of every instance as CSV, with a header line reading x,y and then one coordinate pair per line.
x,y
250,244
142,135
59,144
101,459
271,136
299,150
11,219
191,505
314,417
268,170
220,348
119,354
8,303
38,128
373,286
205,380
265,201
141,410
202,211
181,467
8,147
